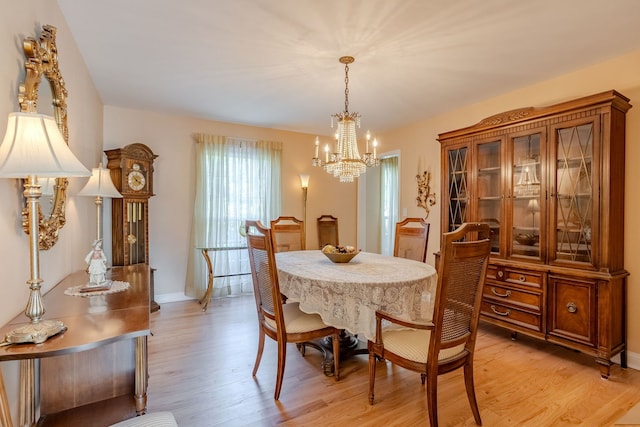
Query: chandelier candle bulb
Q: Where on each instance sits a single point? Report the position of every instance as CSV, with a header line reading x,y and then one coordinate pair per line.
x,y
326,153
375,145
366,150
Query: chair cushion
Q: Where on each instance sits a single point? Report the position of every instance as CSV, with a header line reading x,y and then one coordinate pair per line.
x,y
297,321
153,419
413,344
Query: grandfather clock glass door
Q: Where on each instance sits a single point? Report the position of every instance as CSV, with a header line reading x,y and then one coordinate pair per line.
x,y
136,224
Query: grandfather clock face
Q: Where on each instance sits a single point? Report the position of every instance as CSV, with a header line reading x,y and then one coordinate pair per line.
x,y
136,177
132,172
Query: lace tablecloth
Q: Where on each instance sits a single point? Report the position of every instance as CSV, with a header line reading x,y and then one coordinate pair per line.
x,y
347,296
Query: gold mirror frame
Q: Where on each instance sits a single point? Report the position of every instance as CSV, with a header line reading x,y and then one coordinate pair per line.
x,y
42,60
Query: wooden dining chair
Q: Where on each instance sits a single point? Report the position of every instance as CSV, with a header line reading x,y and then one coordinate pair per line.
x,y
327,231
288,234
412,237
446,342
284,323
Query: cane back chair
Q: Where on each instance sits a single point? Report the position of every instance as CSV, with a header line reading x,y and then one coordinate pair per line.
x,y
284,323
288,234
447,342
412,237
327,231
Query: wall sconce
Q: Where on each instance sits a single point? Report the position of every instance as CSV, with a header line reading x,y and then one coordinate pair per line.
x,y
304,183
34,147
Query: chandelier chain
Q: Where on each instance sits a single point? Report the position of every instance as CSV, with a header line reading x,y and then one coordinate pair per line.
x,y
346,88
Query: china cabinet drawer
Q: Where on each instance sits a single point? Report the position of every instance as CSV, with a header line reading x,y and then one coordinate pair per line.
x,y
513,296
500,273
510,315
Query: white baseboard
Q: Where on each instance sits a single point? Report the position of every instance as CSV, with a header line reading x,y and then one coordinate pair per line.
x,y
172,297
633,360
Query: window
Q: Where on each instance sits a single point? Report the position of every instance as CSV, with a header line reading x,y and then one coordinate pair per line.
x,y
389,191
236,180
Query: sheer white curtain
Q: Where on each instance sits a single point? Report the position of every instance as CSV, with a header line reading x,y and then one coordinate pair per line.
x,y
389,190
236,179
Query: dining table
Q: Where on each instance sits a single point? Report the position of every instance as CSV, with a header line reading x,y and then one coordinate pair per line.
x,y
347,295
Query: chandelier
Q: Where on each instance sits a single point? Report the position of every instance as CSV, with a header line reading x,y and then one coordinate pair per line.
x,y
345,161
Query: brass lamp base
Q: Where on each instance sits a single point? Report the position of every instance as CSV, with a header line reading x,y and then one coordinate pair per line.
x,y
35,332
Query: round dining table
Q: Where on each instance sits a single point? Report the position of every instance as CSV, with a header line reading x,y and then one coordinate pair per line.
x,y
347,295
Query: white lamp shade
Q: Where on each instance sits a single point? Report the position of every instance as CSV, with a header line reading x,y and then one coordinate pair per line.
x,y
304,180
33,145
100,184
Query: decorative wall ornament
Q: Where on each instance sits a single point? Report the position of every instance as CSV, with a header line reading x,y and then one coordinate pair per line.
x,y
425,198
42,61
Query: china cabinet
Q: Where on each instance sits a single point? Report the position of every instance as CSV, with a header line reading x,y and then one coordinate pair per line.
x,y
550,183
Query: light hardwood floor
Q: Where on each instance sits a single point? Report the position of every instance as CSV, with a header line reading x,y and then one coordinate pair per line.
x,y
200,369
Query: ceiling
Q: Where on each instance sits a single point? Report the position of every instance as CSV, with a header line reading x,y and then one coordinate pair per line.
x,y
274,63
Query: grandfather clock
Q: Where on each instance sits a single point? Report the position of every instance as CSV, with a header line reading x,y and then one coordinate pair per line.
x,y
132,173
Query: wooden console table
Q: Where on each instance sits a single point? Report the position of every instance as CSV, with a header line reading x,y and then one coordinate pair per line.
x,y
96,371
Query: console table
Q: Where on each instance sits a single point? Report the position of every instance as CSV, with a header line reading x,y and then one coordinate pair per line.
x,y
206,298
97,369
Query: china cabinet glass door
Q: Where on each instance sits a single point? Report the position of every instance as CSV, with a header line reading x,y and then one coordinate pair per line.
x,y
526,207
489,189
574,193
457,164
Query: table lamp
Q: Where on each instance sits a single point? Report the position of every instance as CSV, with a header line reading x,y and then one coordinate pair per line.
x,y
34,147
100,186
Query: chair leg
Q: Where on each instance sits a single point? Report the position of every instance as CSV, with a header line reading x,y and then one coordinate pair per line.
x,y
432,398
336,355
282,356
260,349
471,393
372,375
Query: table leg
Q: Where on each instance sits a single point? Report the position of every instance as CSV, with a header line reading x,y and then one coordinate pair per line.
x,y
28,393
5,411
140,393
327,355
206,299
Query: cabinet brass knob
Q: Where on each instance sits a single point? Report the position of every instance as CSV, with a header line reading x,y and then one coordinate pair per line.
x,y
572,308
522,278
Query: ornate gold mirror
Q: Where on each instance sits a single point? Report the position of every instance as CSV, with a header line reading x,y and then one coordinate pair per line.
x,y
42,60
